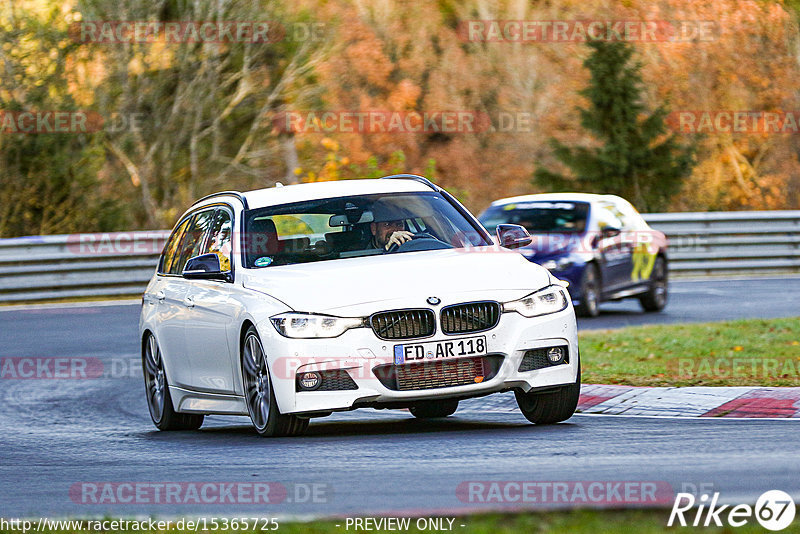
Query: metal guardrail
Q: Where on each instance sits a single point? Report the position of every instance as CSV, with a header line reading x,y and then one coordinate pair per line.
x,y
120,264
78,266
731,243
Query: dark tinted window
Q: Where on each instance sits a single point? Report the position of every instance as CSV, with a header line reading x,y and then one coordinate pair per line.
x,y
170,249
193,239
539,216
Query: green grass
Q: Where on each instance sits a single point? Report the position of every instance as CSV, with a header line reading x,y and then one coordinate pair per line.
x,y
573,522
757,352
567,522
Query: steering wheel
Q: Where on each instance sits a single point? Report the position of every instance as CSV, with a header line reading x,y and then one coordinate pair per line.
x,y
394,247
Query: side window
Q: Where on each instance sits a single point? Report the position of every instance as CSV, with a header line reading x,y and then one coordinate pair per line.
x,y
170,249
607,218
219,240
192,241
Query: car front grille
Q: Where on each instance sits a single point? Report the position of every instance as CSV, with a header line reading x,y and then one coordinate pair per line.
x,y
439,374
537,359
470,317
403,324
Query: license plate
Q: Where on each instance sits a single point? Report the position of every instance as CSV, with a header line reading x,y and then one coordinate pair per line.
x,y
437,350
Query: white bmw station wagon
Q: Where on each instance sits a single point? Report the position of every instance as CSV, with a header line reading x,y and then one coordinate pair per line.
x,y
290,303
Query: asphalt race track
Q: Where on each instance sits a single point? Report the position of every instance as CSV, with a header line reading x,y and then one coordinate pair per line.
x,y
692,301
58,434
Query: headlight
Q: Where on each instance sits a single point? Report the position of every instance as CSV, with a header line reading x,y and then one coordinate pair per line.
x,y
561,264
551,299
309,325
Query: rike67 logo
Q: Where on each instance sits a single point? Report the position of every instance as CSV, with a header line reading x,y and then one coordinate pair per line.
x,y
774,510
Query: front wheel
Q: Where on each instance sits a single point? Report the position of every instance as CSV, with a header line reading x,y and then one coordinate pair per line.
x,y
552,407
656,297
159,401
590,293
434,409
260,396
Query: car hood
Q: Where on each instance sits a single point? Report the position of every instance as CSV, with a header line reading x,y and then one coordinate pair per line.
x,y
399,280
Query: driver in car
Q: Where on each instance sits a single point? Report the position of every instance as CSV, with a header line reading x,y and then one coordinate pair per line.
x,y
388,226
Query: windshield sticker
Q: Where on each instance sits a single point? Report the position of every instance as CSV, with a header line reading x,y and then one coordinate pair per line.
x,y
263,261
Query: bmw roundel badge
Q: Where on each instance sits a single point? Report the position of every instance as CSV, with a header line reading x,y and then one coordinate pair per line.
x,y
434,301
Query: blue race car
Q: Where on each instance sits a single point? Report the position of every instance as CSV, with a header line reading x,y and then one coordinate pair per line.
x,y
600,244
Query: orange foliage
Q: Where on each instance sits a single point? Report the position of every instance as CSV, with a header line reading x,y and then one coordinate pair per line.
x,y
401,55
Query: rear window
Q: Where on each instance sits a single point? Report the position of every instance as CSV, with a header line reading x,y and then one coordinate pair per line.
x,y
540,216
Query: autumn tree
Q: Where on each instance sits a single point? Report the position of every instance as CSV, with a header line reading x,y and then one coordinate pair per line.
x,y
49,181
205,107
636,158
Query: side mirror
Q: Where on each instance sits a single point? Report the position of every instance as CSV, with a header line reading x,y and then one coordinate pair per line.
x,y
610,231
205,267
513,236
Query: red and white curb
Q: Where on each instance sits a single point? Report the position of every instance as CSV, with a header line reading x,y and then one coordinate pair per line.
x,y
691,401
779,402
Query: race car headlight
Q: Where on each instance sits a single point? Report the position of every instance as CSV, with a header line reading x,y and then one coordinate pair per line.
x,y
551,299
310,325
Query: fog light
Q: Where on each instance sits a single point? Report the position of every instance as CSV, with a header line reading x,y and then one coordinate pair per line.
x,y
555,354
310,381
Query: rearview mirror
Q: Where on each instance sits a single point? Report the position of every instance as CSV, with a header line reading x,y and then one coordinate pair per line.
x,y
344,220
513,236
205,267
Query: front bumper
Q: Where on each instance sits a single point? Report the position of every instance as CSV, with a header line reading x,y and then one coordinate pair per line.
x,y
359,352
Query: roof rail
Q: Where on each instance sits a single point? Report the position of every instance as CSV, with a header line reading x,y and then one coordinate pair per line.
x,y
236,194
415,177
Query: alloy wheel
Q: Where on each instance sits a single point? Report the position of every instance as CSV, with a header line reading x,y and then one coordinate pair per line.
x,y
257,385
155,380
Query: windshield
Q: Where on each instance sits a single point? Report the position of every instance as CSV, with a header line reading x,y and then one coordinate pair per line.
x,y
539,217
349,227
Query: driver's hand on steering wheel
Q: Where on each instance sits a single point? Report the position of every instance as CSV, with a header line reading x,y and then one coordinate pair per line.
x,y
398,238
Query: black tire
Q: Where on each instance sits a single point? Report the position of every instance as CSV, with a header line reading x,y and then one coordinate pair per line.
x,y
590,292
551,407
156,386
434,409
656,297
259,394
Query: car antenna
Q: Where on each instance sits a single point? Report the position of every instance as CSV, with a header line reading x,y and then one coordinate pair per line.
x,y
278,184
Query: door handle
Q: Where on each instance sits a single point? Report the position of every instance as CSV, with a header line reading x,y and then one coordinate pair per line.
x,y
160,296
188,302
